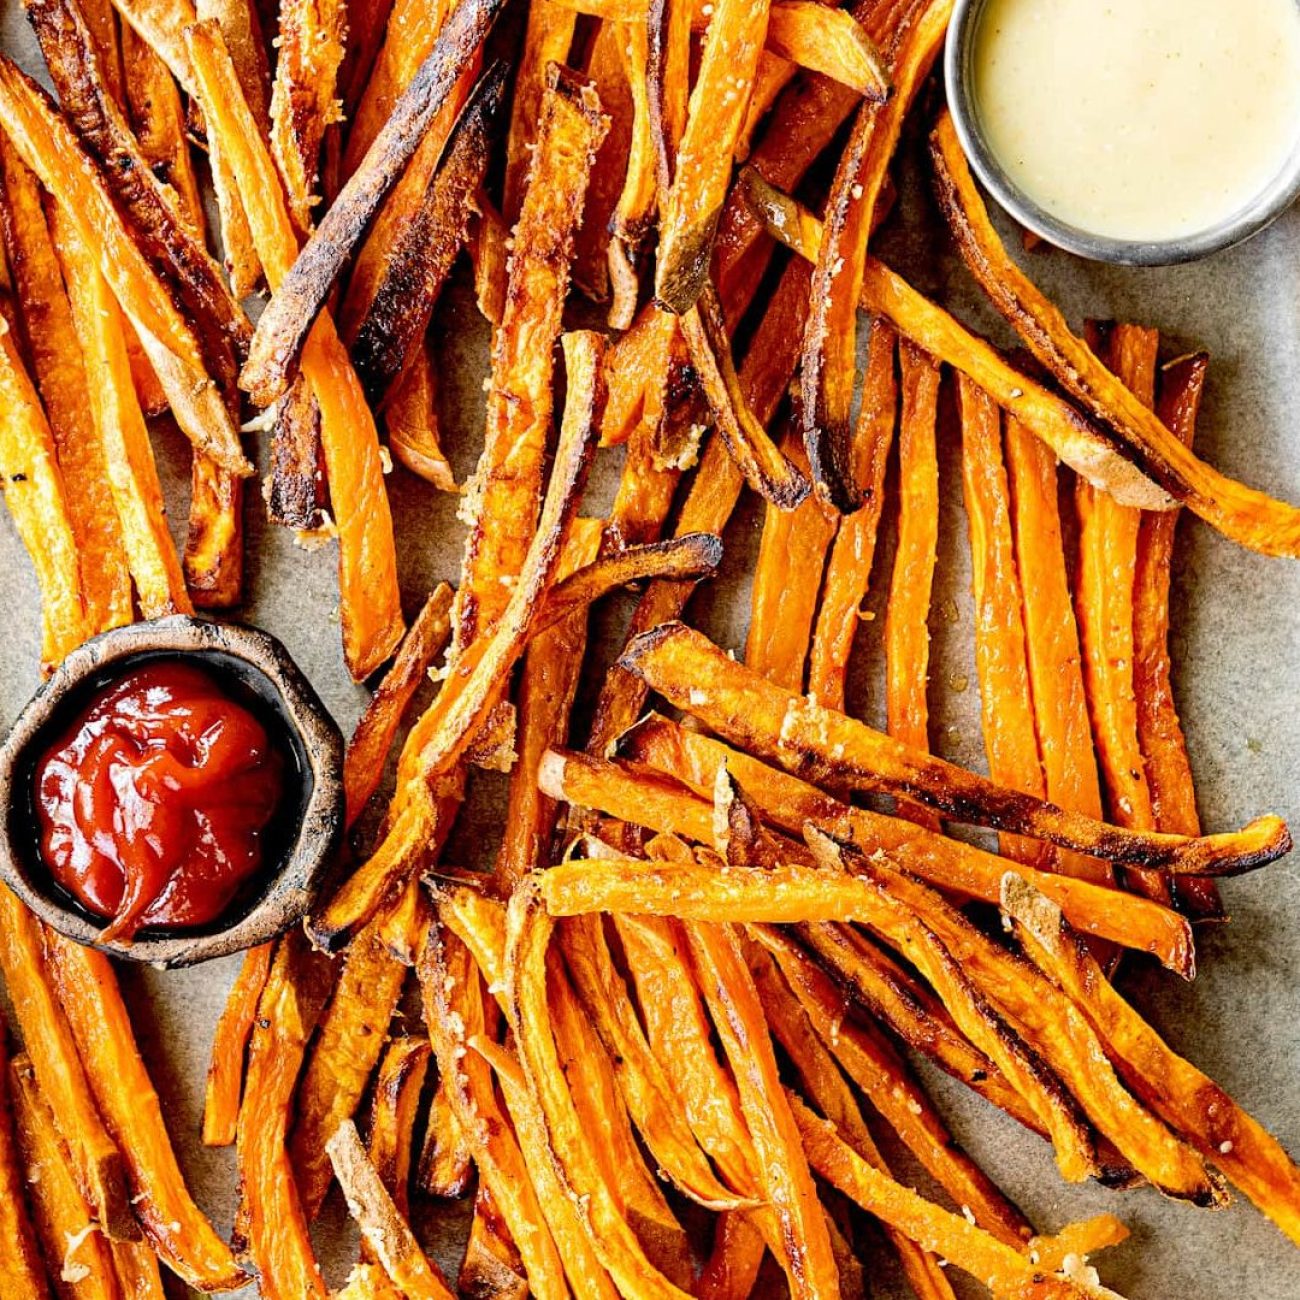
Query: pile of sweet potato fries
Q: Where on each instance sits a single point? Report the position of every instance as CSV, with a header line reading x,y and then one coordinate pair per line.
x,y
663,1038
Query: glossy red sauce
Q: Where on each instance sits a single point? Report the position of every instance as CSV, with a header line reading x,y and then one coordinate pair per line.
x,y
154,803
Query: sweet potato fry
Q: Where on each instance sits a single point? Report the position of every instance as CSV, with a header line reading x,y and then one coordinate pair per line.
x,y
241,29
138,1274
1244,514
49,148
648,484
687,669
214,545
60,375
848,570
372,739
1077,441
702,169
382,342
467,1079
782,1170
298,298
130,471
229,1044
295,490
303,96
1052,640
366,1282
830,41
781,612
830,337
101,19
392,1115
70,1237
1001,655
381,1222
411,418
635,209
732,1268
1176,1090
370,603
1082,1238
907,631
21,1270
491,1266
952,865
947,1234
1164,751
1106,566
125,1095
271,1215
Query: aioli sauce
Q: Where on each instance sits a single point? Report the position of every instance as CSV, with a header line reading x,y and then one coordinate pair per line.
x,y
153,802
1139,119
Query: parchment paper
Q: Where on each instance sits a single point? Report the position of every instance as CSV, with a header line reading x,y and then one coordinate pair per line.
x,y
1237,659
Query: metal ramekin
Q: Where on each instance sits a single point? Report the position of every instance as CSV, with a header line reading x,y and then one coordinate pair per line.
x,y
1266,207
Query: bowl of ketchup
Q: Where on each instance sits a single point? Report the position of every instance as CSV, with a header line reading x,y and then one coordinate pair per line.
x,y
172,793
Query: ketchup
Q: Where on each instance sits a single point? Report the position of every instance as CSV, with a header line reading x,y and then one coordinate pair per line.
x,y
154,802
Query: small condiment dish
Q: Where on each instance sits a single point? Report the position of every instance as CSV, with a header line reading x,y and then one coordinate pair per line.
x,y
959,77
257,666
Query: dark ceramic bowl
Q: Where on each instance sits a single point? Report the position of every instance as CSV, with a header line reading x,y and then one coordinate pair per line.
x,y
299,852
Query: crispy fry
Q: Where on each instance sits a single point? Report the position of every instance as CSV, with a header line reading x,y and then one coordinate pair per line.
x,y
214,547
372,739
294,490
131,473
829,41
1244,514
381,1222
692,207
545,696
370,603
401,301
1082,1238
60,375
271,1214
289,316
1107,560
647,485
138,1274
634,363
310,46
1077,441
782,612
70,1238
491,1266
21,1270
949,864
830,338
1164,751
731,1269
48,147
125,1095
488,251
848,570
1001,655
907,631
108,36
1175,1089
411,418
635,210
241,29
528,935
696,676
783,1173
466,1076
392,1115
229,1044
1052,640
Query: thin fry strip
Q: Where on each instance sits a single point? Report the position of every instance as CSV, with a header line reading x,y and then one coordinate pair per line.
x,y
731,1271
294,490
1077,441
781,612
848,570
1106,568
830,337
635,209
131,472
229,1043
907,616
716,113
1001,653
381,1222
60,375
1164,750
1052,640
830,41
1175,1089
69,1234
370,603
491,1266
392,1115
21,1270
782,1170
687,669
178,1230
411,418
298,298
1244,514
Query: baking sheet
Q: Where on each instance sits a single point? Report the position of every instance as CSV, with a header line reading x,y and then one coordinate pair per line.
x,y
1237,672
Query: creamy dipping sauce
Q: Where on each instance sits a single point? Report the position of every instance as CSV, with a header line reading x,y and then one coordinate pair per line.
x,y
1139,119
